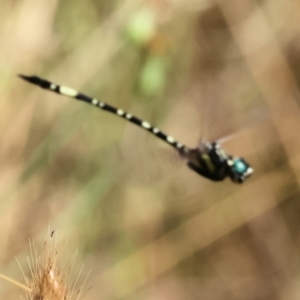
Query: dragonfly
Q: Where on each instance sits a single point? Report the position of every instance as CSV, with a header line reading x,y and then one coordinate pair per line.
x,y
209,159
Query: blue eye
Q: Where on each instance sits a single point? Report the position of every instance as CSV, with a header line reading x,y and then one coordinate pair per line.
x,y
239,166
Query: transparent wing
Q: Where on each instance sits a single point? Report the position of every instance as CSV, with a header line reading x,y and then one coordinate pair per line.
x,y
226,116
147,159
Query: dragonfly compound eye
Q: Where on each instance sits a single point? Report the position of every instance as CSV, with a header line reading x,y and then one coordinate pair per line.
x,y
239,170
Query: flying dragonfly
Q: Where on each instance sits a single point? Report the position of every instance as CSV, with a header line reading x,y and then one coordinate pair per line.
x,y
208,159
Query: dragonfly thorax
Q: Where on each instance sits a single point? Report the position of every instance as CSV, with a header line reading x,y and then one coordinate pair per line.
x,y
212,162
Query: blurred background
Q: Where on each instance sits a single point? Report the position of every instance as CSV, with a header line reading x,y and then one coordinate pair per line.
x,y
144,224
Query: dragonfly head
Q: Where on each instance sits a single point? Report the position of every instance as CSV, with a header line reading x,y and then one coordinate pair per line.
x,y
239,170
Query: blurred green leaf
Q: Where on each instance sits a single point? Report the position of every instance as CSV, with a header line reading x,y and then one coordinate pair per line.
x,y
153,76
141,26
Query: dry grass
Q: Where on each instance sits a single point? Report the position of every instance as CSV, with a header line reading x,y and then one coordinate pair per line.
x,y
51,277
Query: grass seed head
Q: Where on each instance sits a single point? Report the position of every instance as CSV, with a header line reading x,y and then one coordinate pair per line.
x,y
50,280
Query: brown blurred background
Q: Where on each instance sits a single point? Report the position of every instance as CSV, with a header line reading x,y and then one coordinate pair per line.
x,y
147,226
